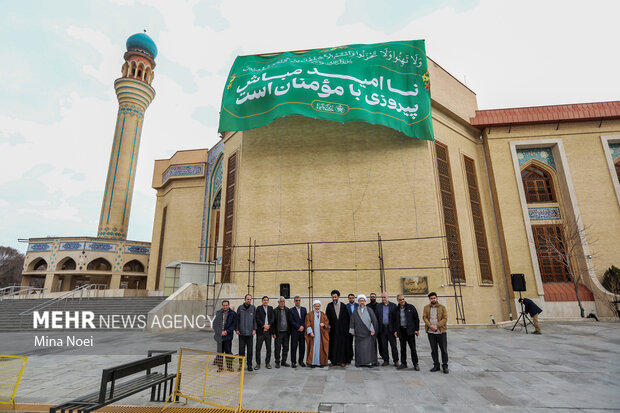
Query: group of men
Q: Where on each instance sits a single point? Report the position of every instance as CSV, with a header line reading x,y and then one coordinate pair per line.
x,y
343,334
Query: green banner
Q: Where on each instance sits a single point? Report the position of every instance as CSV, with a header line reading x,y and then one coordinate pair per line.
x,y
383,84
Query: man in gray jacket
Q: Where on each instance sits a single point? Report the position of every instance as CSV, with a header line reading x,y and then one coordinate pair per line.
x,y
246,329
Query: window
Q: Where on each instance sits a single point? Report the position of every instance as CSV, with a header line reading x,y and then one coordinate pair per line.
x,y
476,212
618,169
538,185
549,247
161,245
455,260
229,210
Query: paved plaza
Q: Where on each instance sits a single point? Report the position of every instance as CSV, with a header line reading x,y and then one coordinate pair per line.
x,y
571,367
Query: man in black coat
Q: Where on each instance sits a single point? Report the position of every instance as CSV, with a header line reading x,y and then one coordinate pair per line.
x,y
408,324
264,329
338,317
297,318
224,326
530,307
386,318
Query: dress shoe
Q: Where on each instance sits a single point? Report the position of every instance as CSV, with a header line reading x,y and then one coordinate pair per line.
x,y
277,365
285,364
294,365
416,367
312,366
435,368
257,367
386,363
445,370
250,368
302,364
401,367
267,366
396,364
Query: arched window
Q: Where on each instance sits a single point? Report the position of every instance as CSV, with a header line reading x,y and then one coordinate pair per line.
x,y
66,264
38,264
100,264
133,266
537,184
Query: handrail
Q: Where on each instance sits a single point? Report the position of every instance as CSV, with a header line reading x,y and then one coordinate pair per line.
x,y
69,294
18,290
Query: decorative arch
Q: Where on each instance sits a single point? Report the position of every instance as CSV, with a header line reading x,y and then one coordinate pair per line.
x,y
65,264
132,68
538,182
38,264
147,74
99,264
213,211
125,69
133,266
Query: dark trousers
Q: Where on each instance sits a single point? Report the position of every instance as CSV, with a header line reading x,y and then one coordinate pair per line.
x,y
246,342
405,339
441,341
281,345
298,339
226,348
385,337
263,336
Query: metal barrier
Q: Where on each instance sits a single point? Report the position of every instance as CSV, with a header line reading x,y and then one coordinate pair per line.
x,y
17,291
11,370
211,378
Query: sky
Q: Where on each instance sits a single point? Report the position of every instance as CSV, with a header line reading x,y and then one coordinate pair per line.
x,y
59,60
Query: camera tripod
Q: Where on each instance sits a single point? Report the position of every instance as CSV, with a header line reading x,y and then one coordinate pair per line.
x,y
523,316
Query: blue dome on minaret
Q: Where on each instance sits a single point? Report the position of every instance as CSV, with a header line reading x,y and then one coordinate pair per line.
x,y
141,42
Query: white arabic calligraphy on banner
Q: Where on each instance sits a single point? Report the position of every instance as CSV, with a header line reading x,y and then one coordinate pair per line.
x,y
278,85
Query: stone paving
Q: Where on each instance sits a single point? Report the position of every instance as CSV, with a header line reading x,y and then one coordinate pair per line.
x,y
570,367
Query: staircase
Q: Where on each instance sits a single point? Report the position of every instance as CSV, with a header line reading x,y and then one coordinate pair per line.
x,y
11,320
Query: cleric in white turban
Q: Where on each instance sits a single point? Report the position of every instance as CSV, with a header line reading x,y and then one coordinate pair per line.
x,y
363,326
317,336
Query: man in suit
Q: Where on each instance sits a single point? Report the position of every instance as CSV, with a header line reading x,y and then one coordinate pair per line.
x,y
386,317
436,323
530,307
408,324
352,305
224,325
264,329
297,318
281,333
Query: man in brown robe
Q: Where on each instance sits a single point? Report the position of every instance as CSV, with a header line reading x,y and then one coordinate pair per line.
x,y
317,336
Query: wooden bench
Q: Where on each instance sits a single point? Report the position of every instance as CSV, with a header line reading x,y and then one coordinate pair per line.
x,y
111,391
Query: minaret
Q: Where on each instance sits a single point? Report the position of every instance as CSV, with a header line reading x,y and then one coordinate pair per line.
x,y
134,93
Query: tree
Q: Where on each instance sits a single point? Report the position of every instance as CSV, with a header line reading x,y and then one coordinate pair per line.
x,y
565,247
11,264
611,282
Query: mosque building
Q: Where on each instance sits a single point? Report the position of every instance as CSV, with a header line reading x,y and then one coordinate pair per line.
x,y
303,204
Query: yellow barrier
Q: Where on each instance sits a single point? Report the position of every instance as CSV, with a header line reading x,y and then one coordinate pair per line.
x,y
11,370
211,378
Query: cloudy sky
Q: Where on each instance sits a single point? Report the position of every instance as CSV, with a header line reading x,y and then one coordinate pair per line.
x,y
59,59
